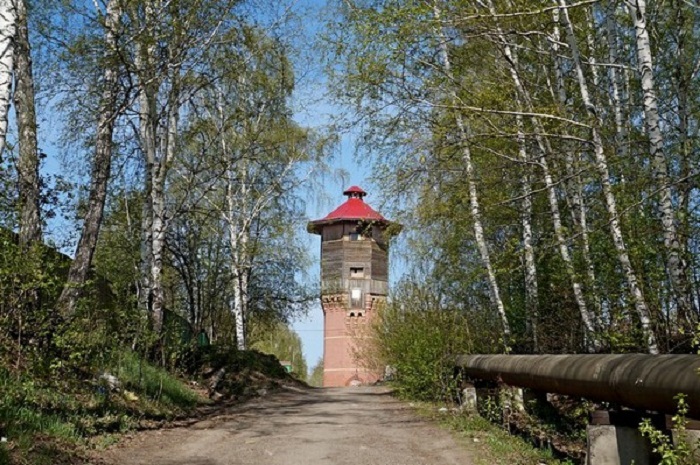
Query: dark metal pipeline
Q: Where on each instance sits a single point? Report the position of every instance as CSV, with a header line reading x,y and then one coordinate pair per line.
x,y
644,382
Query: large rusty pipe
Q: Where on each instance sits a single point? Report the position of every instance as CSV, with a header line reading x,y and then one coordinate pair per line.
x,y
644,382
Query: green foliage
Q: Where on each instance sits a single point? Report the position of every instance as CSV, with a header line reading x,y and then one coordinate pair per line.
x,y
419,343
672,452
50,396
281,341
316,377
386,67
491,409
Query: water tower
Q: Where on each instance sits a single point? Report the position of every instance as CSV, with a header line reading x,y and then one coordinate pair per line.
x,y
354,279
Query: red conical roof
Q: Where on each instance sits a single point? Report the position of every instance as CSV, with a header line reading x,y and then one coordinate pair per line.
x,y
354,209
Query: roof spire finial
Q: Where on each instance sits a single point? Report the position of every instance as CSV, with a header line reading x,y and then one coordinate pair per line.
x,y
355,192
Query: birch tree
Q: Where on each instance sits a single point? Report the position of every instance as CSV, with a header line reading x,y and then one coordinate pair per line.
x,y
108,112
469,174
531,102
247,158
610,201
574,185
400,82
25,107
170,39
523,95
674,262
8,31
261,151
531,286
682,57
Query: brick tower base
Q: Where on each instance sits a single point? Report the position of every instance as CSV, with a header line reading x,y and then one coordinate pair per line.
x,y
344,332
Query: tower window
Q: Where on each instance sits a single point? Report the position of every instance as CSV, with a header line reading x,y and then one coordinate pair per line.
x,y
356,298
354,236
357,272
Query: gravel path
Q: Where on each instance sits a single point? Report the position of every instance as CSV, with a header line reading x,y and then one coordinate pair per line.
x,y
358,426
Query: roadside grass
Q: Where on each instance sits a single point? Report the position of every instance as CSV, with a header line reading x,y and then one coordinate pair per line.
x,y
47,420
54,420
491,444
154,383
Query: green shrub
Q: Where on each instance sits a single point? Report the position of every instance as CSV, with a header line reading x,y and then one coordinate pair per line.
x,y
420,346
680,452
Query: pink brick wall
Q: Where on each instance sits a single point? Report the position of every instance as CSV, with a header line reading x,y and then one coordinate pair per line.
x,y
342,333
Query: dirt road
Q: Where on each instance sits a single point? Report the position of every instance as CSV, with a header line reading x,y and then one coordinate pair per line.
x,y
358,426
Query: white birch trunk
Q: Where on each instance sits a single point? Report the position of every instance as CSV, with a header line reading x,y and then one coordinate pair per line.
x,y
158,228
242,304
610,201
616,87
579,212
531,287
168,148
239,317
8,31
238,242
236,216
147,139
144,285
590,41
574,190
674,263
471,185
159,145
237,303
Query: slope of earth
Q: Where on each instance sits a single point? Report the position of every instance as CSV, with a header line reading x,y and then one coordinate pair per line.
x,y
358,426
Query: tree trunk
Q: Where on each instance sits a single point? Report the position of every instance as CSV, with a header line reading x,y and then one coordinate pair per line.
x,y
610,201
148,122
471,184
531,287
147,145
144,284
8,33
28,164
238,242
621,143
158,228
101,168
674,264
235,216
239,311
573,188
684,79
